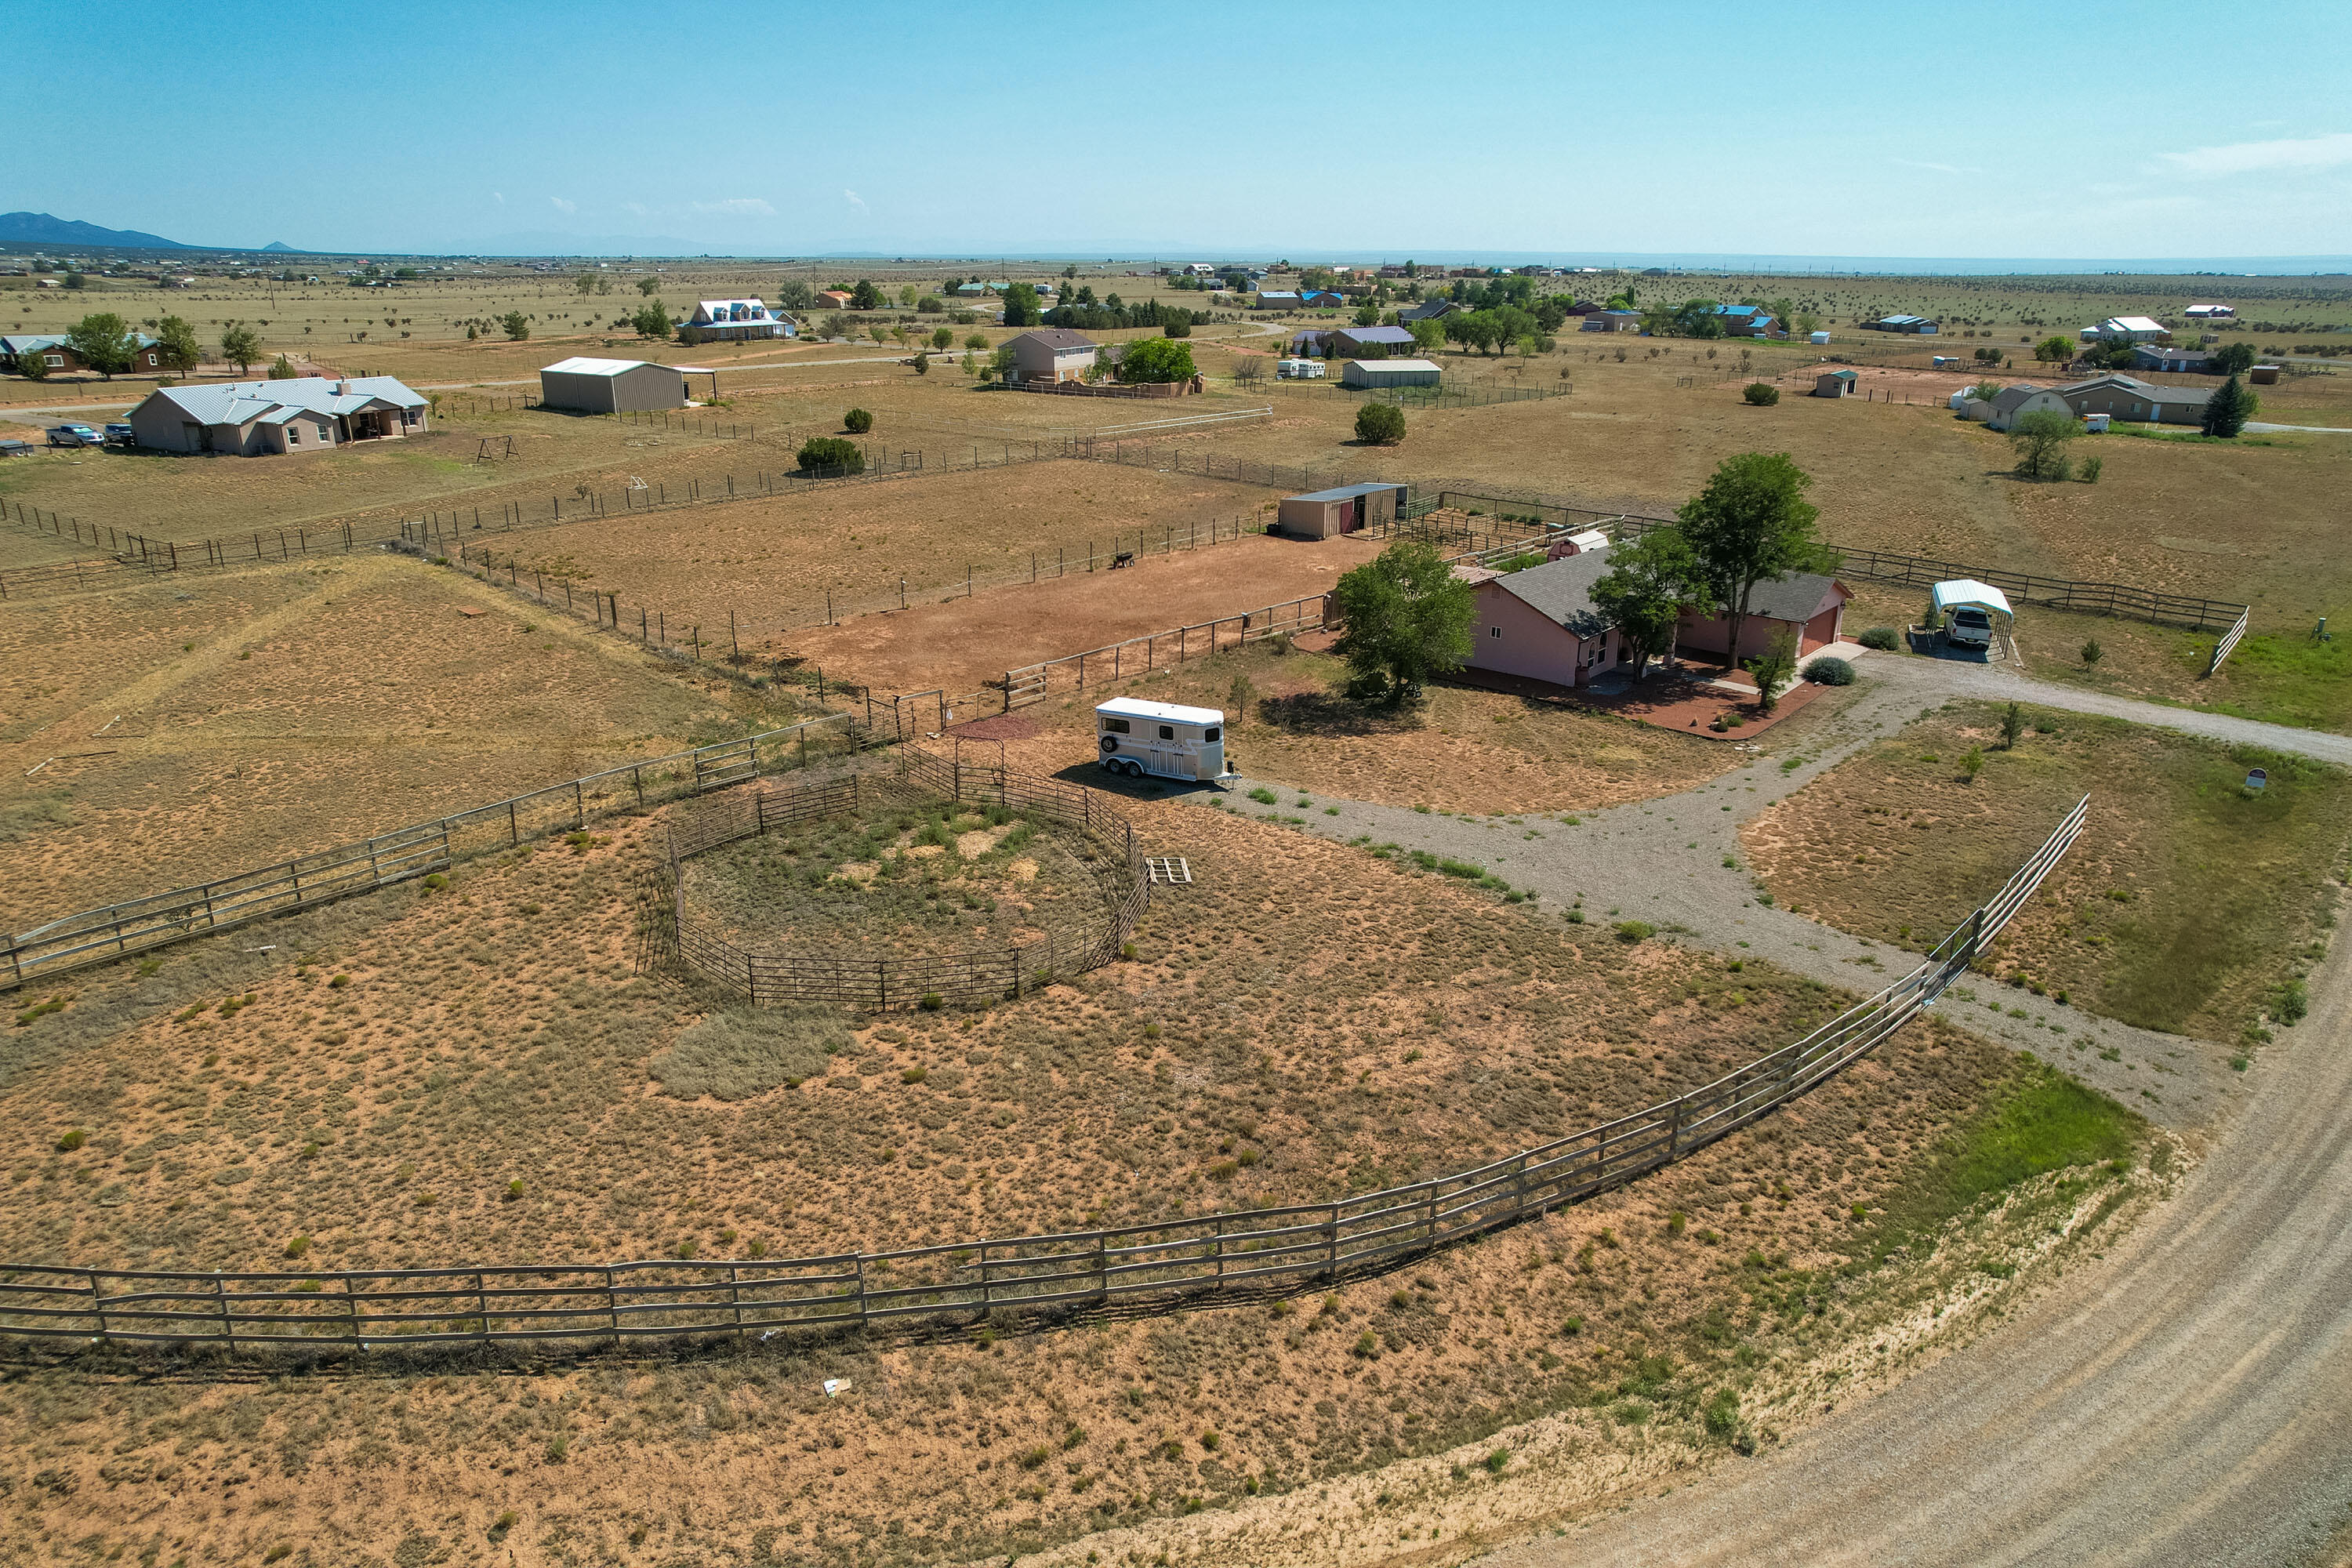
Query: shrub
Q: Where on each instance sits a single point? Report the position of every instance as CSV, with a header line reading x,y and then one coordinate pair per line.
x,y
1830,671
2092,650
1178,329
2091,467
830,452
1884,639
932,1001
1722,1414
1973,763
1380,423
72,1140
1635,930
1763,394
1263,795
1496,1461
297,1247
857,422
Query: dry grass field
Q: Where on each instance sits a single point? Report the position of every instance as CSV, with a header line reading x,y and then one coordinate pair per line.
x,y
248,715
2189,907
432,1075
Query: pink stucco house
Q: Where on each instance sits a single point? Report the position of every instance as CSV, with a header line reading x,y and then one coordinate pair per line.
x,y
1807,602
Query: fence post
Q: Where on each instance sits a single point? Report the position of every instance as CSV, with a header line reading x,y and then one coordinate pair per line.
x,y
227,1323
1332,1243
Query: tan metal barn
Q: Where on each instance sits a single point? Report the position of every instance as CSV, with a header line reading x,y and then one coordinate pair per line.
x,y
1343,510
612,386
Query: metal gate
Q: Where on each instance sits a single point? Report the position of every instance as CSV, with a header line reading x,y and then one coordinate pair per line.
x,y
716,767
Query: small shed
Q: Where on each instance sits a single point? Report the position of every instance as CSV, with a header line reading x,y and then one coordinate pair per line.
x,y
1391,372
1579,544
1324,513
611,385
2263,375
1835,384
1817,338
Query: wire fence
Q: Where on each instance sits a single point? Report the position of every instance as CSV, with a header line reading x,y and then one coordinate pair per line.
x,y
138,925
879,980
1162,1265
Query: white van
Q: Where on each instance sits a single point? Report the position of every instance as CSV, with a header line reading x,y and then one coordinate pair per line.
x,y
1163,740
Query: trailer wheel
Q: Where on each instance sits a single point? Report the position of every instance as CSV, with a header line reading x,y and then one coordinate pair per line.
x,y
1109,744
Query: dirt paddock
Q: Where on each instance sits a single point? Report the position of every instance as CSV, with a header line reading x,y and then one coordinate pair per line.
x,y
959,644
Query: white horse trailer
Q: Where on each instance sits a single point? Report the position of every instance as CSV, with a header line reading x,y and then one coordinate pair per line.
x,y
1163,740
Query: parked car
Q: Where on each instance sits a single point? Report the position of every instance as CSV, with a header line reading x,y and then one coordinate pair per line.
x,y
75,435
122,435
1969,627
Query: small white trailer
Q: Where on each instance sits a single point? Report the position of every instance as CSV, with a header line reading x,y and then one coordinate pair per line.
x,y
1161,740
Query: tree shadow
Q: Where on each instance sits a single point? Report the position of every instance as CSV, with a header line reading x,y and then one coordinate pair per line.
x,y
1311,714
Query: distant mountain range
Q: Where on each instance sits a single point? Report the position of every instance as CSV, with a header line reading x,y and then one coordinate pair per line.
x,y
40,229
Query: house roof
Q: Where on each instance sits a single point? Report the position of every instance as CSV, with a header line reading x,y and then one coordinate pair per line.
x,y
1901,320
2138,388
1376,334
1055,338
243,402
1799,596
723,313
581,365
1374,366
1561,591
29,343
1429,310
1345,492
2010,397
1840,375
2137,324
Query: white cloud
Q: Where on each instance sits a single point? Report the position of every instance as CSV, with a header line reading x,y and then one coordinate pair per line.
x,y
1934,168
737,207
564,206
854,200
500,198
2253,157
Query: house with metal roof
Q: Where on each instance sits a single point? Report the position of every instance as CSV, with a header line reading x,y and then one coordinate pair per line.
x,y
2211,312
2176,362
1432,309
2129,329
1051,354
725,320
254,418
1279,299
1612,321
2128,397
1745,320
1323,513
56,353
1380,373
1374,341
1917,326
1835,384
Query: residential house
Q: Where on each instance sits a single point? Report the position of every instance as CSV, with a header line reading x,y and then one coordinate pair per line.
x,y
1745,320
1279,299
1918,326
57,355
2010,404
1320,298
1371,341
252,418
2211,312
839,298
1431,310
1612,321
1051,354
1541,622
2129,329
2128,397
2177,362
732,318
1314,341
1806,602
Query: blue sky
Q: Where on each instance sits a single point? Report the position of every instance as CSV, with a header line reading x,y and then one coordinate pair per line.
x,y
2082,131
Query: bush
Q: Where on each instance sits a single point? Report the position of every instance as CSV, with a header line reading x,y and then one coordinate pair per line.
x,y
2092,650
832,452
1635,930
2091,467
1763,394
1830,671
857,422
1178,330
1884,639
1380,423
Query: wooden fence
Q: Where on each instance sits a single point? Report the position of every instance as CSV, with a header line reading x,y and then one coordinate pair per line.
x,y
100,935
1117,661
879,980
1165,1264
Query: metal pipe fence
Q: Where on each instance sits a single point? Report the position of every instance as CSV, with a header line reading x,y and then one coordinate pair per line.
x,y
1162,1265
139,925
1136,656
878,980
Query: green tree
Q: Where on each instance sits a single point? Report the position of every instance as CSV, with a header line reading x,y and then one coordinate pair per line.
x,y
1427,334
240,345
942,337
2227,411
651,319
1157,359
2012,726
2040,438
907,293
1003,363
1407,618
1762,393
649,287
585,283
2055,349
176,347
1020,308
517,324
857,421
832,452
977,343
793,294
1648,583
1380,423
1774,667
283,368
102,342
76,280
923,362
866,295
1750,524
1368,315
2233,359
32,366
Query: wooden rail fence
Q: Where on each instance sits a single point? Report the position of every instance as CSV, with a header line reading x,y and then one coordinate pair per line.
x,y
1165,1264
115,931
1117,661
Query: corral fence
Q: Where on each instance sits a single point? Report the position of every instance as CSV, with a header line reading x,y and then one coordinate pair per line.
x,y
139,925
1163,1265
1136,656
1478,394
878,980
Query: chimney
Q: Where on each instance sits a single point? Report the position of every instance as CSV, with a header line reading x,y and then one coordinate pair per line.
x,y
342,387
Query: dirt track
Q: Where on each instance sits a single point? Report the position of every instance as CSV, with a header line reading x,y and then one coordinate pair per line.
x,y
2189,1401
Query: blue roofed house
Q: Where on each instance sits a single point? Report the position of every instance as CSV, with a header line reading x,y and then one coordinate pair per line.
x,y
1745,320
254,418
1320,297
1612,321
729,319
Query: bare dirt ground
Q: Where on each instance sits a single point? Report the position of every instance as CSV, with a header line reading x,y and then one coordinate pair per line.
x,y
961,643
773,561
249,715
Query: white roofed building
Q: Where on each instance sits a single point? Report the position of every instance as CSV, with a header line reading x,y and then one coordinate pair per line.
x,y
721,320
257,418
612,386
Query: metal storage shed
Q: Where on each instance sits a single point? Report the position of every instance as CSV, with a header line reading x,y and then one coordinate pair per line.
x,y
1343,510
1390,373
612,386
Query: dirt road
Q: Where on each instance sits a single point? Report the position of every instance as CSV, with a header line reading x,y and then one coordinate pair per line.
x,y
2189,1401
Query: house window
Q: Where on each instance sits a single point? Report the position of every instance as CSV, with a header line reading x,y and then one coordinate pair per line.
x,y
1494,631
53,361
293,434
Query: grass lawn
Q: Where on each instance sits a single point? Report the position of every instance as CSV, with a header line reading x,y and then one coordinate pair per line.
x,y
2189,905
